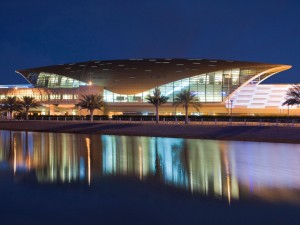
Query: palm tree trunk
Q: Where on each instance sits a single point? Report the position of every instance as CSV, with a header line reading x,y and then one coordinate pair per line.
x,y
157,115
26,113
91,115
186,114
10,114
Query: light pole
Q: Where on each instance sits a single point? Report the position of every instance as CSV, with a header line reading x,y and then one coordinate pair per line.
x,y
228,76
77,100
231,103
15,92
90,84
48,93
176,115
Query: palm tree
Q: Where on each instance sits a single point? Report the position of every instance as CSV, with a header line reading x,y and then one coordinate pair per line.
x,y
157,99
10,104
91,102
293,95
186,98
28,102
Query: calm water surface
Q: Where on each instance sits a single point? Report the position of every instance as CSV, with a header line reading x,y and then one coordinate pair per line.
x,y
227,170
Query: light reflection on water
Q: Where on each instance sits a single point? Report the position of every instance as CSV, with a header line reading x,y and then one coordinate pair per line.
x,y
222,169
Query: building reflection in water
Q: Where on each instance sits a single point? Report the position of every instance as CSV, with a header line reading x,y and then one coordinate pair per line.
x,y
223,169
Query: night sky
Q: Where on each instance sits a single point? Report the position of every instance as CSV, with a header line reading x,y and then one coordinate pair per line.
x,y
40,33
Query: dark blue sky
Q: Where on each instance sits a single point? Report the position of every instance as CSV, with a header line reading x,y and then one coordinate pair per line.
x,y
39,33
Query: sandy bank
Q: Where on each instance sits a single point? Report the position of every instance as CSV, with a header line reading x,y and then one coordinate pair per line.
x,y
240,133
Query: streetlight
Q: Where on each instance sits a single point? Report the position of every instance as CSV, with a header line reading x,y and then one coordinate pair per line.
x,y
231,102
176,115
15,92
77,99
90,83
228,76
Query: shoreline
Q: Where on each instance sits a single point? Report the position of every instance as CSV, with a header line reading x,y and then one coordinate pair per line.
x,y
278,134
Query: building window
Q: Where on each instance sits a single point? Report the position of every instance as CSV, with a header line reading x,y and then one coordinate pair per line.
x,y
57,81
67,96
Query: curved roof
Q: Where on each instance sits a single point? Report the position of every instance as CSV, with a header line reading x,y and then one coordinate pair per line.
x,y
138,75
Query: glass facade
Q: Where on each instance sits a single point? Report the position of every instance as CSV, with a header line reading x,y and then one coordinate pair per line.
x,y
49,96
43,95
209,87
51,80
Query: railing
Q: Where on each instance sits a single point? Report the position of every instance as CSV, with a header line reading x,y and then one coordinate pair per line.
x,y
255,121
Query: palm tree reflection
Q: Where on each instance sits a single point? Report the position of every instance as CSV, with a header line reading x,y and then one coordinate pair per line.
x,y
207,167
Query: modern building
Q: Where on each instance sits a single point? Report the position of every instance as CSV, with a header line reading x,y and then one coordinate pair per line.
x,y
223,86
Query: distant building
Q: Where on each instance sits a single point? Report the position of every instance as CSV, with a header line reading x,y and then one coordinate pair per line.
x,y
222,86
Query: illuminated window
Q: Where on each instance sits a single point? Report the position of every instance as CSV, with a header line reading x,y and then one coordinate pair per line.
x,y
56,81
67,96
44,97
248,72
55,96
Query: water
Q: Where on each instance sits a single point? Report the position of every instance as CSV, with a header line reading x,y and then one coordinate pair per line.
x,y
149,169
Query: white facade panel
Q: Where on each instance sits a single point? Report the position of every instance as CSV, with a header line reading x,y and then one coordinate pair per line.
x,y
260,96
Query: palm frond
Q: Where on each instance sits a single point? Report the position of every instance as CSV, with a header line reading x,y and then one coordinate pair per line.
x,y
186,98
29,102
157,98
11,104
293,95
91,102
